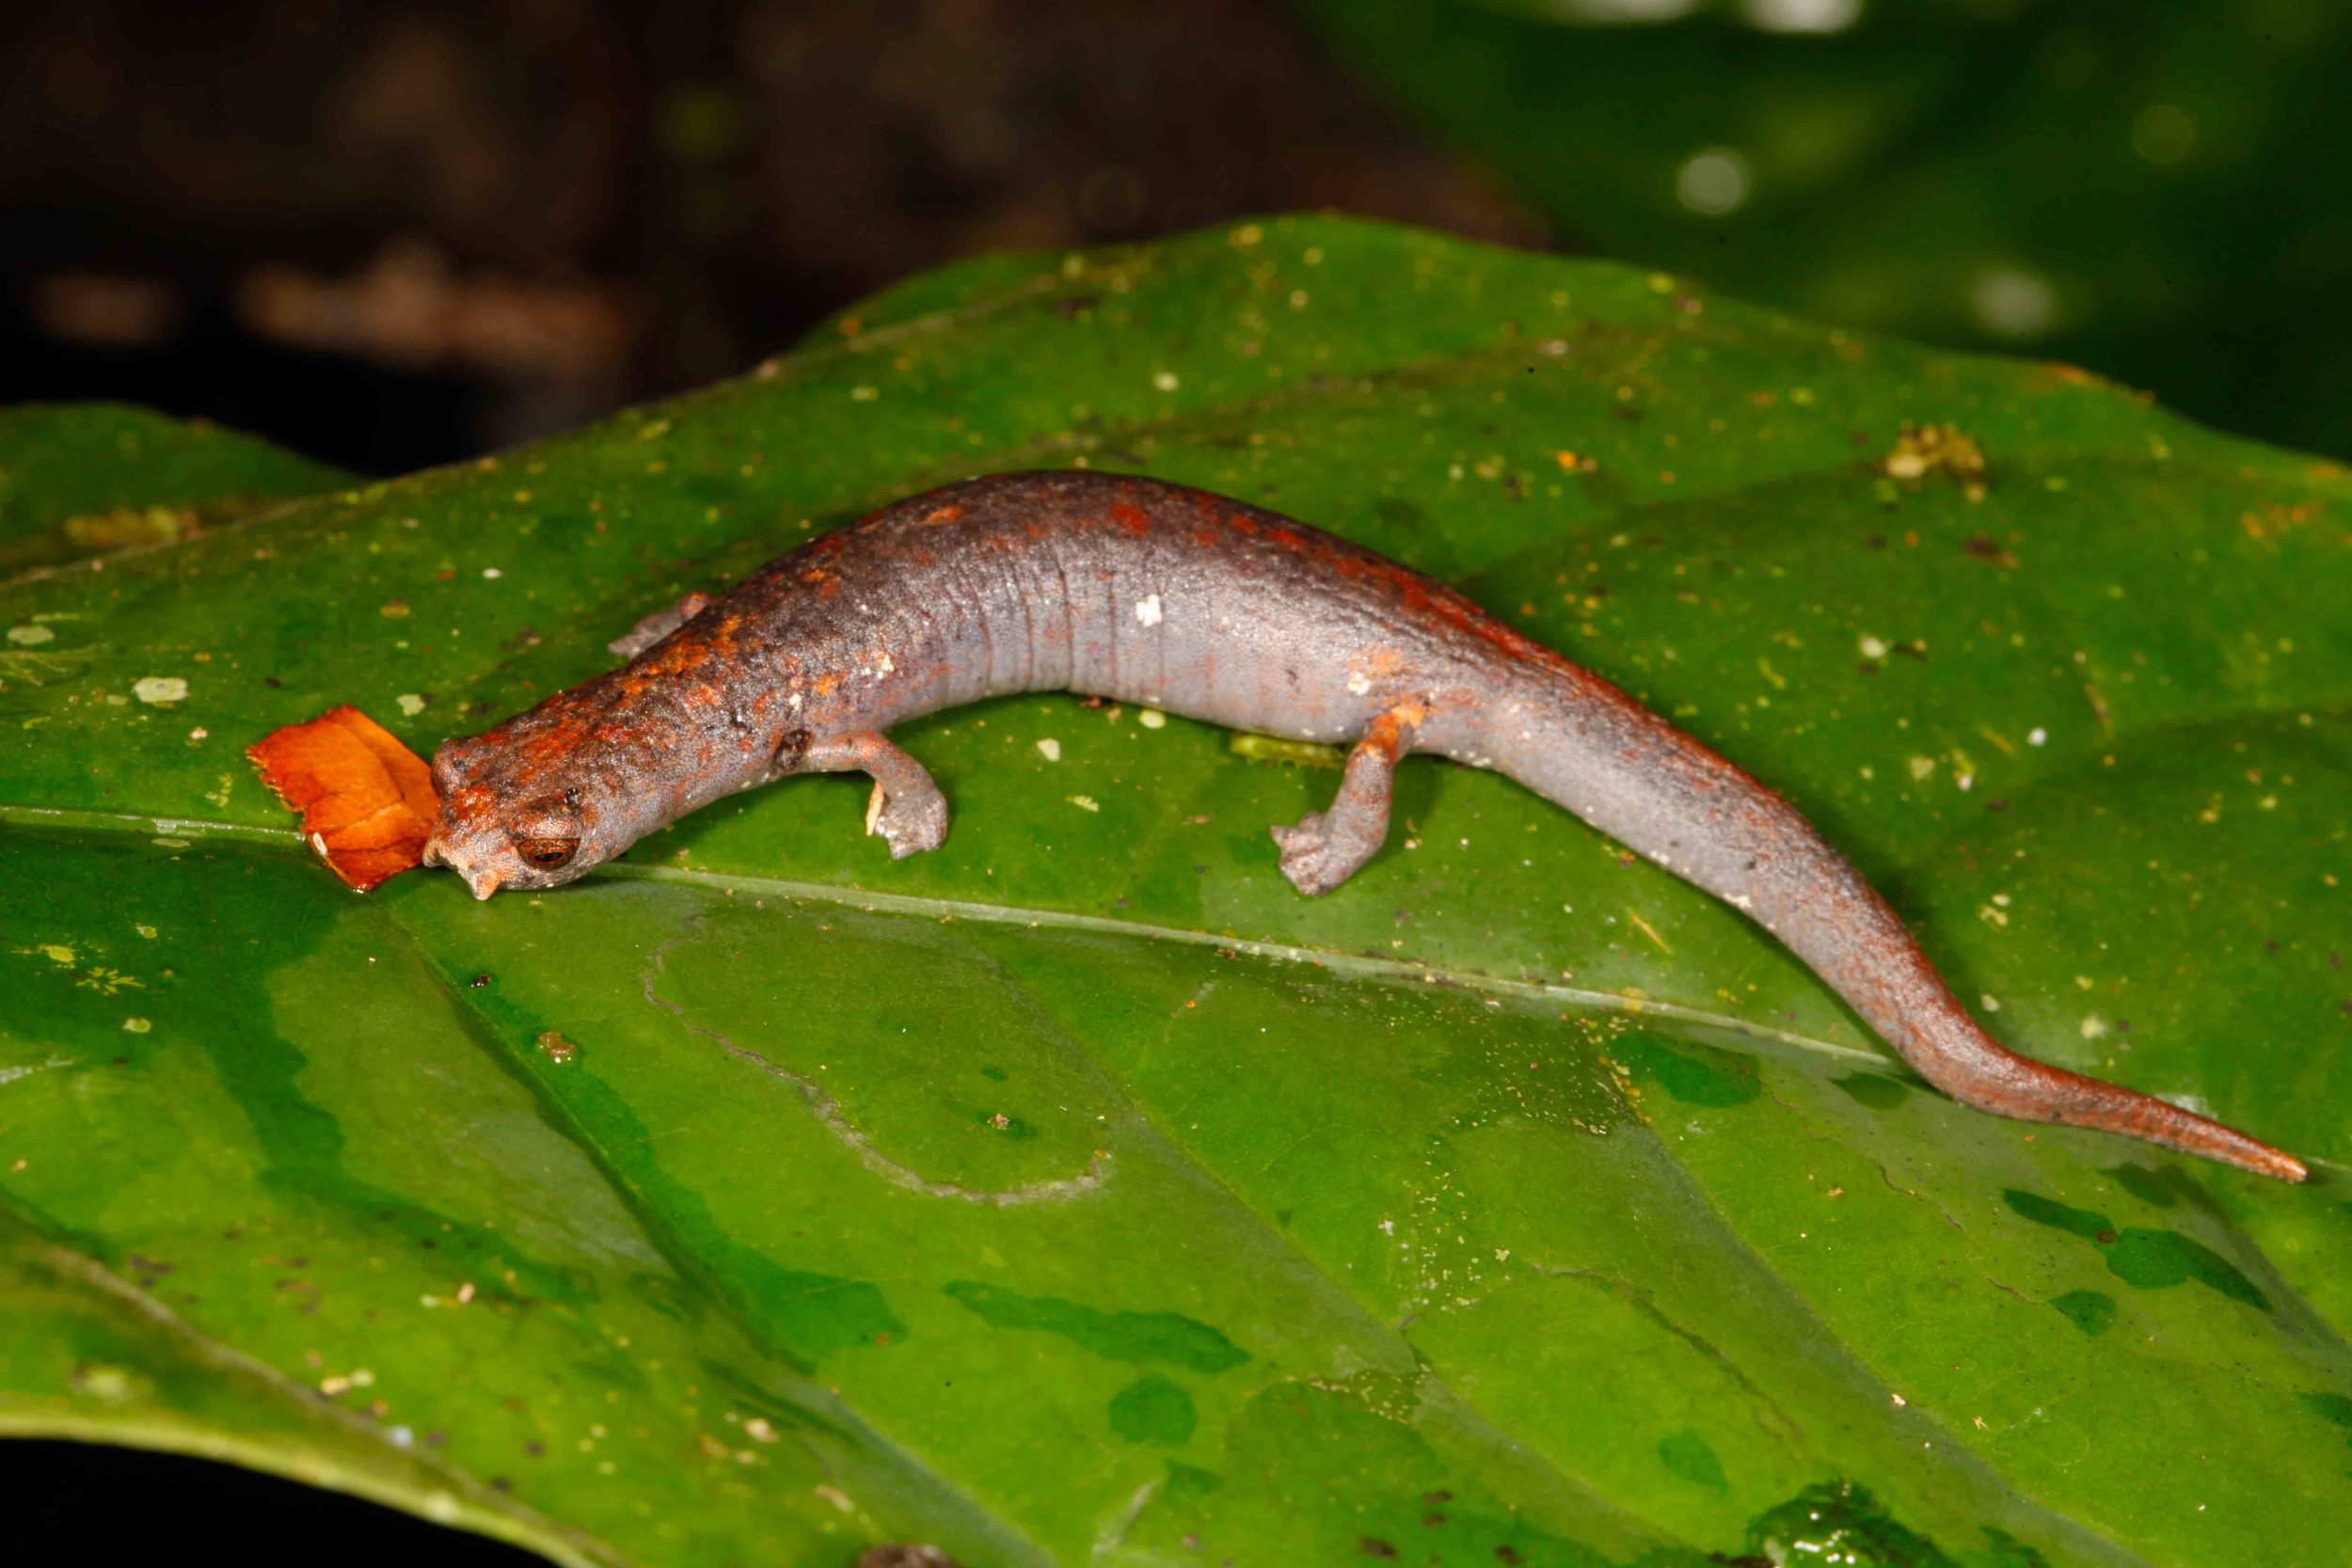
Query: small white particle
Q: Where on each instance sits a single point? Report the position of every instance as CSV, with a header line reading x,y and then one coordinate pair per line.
x,y
2093,1026
1165,381
27,637
199,733
1085,802
492,573
1151,718
1148,610
411,704
159,689
136,1025
2036,735
1898,1399
1049,749
1873,647
1358,681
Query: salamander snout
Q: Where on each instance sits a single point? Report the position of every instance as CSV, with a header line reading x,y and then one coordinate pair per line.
x,y
496,835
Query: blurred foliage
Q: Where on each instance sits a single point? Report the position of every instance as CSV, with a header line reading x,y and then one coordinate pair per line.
x,y
2154,190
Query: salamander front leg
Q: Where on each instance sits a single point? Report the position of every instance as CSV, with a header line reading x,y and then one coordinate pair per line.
x,y
660,623
906,809
1326,848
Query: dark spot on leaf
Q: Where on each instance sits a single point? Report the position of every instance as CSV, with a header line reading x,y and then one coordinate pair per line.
x,y
1694,1075
1685,1453
1153,1409
1185,1485
996,1074
2058,1216
2335,1409
1166,1336
2091,1311
1874,1089
2156,1259
1372,1545
2144,1260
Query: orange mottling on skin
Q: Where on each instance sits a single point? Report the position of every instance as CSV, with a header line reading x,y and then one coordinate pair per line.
x,y
1130,519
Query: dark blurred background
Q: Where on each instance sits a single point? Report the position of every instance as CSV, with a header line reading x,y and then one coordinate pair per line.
x,y
399,234
395,234
389,234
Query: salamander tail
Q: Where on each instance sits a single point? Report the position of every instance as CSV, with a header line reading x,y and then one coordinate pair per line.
x,y
1990,1077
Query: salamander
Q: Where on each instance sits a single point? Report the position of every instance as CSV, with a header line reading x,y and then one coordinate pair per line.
x,y
1155,594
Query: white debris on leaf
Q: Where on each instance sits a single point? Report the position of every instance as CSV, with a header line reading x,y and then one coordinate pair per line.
x,y
159,689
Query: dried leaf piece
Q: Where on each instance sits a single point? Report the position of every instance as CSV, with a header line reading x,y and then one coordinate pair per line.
x,y
366,800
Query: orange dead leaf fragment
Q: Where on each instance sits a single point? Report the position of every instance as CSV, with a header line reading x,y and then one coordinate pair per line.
x,y
366,800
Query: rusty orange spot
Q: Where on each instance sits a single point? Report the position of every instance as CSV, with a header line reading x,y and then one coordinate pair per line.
x,y
366,800
1130,519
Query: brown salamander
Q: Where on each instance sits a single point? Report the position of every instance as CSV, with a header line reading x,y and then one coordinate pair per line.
x,y
1151,593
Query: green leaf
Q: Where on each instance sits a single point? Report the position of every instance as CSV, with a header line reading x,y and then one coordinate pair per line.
x,y
86,480
1079,1193
2150,190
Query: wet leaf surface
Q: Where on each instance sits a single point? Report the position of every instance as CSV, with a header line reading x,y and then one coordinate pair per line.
x,y
1079,1191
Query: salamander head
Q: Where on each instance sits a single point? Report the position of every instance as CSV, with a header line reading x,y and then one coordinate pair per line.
x,y
505,824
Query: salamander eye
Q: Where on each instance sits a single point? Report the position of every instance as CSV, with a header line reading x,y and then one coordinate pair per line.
x,y
547,854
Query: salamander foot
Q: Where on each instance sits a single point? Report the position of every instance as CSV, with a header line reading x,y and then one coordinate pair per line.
x,y
909,823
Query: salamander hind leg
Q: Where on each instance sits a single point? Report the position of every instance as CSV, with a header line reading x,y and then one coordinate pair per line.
x,y
660,623
906,809
1326,848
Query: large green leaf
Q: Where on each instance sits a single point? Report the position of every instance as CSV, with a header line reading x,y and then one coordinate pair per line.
x,y
2154,189
1079,1193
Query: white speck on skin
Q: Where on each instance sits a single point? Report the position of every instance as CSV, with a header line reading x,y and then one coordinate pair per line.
x,y
27,637
1358,682
159,689
1148,610
411,704
1049,749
